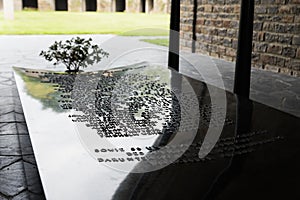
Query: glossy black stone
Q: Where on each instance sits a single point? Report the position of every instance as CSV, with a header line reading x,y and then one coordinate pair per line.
x,y
256,156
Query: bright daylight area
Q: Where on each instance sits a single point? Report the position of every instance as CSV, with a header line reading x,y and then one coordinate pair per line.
x,y
35,22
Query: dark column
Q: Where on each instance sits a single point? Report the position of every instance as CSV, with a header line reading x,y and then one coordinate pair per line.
x,y
194,26
244,51
173,61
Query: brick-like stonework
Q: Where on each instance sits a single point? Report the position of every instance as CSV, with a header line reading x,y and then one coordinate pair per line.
x,y
276,37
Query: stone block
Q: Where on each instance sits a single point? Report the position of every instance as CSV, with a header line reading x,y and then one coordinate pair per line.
x,y
284,9
76,5
268,59
8,129
46,5
257,26
260,47
227,42
9,145
260,9
272,10
298,53
104,6
12,179
295,65
284,39
275,49
8,160
296,40
280,61
25,144
289,52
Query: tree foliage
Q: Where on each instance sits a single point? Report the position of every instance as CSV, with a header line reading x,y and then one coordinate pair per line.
x,y
75,53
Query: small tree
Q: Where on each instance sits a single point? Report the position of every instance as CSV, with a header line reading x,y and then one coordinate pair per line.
x,y
75,53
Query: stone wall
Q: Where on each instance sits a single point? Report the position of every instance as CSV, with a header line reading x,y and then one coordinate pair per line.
x,y
18,5
1,5
46,5
133,6
76,5
161,6
276,37
104,5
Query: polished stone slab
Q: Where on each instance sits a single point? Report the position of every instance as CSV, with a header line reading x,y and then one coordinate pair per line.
x,y
91,131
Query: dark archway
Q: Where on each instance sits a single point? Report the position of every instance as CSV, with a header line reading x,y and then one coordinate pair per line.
x,y
61,5
30,3
120,5
143,6
91,5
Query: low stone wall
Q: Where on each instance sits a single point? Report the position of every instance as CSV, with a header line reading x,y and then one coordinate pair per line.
x,y
46,5
276,37
161,6
76,5
104,5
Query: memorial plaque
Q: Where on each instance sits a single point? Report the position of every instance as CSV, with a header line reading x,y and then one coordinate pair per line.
x,y
147,132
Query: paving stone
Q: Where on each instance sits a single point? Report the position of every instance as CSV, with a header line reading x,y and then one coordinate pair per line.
x,y
29,159
12,179
32,178
9,145
36,196
4,101
19,117
22,128
8,117
6,109
9,114
6,92
5,75
25,195
7,160
25,144
3,198
8,128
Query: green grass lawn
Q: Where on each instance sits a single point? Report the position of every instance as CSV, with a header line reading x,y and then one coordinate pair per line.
x,y
158,41
35,22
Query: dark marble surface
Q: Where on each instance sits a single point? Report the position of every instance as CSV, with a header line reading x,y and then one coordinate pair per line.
x,y
255,157
276,90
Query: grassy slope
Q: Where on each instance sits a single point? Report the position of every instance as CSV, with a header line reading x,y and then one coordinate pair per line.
x,y
34,22
158,41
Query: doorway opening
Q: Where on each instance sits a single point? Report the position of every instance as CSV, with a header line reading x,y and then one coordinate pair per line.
x,y
142,6
30,4
120,5
61,5
91,5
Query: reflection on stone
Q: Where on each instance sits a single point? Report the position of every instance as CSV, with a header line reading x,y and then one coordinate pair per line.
x,y
122,104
